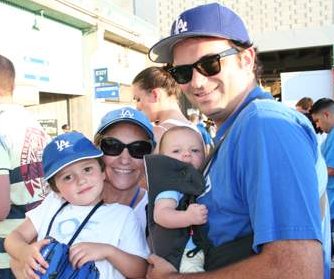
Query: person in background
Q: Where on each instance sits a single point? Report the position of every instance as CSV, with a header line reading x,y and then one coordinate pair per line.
x,y
66,128
195,119
304,105
75,172
267,179
157,95
22,140
322,113
125,135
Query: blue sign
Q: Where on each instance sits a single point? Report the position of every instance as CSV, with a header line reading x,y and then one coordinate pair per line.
x,y
101,75
107,91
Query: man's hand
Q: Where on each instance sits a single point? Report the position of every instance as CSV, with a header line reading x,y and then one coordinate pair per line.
x,y
160,268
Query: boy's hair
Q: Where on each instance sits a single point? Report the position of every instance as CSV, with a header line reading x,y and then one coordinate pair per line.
x,y
323,103
177,128
52,182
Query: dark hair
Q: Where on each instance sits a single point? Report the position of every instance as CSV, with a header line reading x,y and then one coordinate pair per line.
x,y
52,182
258,66
65,126
7,74
157,77
323,103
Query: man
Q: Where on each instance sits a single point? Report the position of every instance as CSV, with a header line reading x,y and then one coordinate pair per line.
x,y
323,116
66,128
266,179
22,141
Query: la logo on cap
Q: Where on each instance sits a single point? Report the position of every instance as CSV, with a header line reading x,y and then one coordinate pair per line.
x,y
125,113
62,144
180,26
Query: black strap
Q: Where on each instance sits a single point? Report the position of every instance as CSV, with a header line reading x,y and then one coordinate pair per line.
x,y
81,225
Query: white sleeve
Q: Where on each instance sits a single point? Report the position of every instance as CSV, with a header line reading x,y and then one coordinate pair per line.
x,y
42,214
132,238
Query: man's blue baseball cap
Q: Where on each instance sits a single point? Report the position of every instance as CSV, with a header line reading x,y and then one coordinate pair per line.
x,y
127,114
66,149
210,20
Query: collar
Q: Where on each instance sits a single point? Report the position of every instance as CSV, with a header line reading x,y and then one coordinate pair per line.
x,y
256,93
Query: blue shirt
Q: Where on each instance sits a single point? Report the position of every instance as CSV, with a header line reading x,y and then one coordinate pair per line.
x,y
327,149
266,177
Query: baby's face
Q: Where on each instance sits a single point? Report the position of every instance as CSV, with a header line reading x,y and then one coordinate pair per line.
x,y
184,145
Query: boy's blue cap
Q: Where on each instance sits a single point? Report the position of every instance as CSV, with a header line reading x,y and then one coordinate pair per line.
x,y
211,20
127,114
66,149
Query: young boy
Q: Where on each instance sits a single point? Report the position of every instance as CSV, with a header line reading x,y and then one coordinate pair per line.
x,y
112,237
188,148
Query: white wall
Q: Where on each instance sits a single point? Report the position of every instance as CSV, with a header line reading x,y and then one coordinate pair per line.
x,y
313,84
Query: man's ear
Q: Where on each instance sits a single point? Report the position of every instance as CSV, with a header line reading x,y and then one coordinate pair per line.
x,y
248,57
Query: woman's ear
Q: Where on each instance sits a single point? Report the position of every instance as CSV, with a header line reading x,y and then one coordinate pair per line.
x,y
155,94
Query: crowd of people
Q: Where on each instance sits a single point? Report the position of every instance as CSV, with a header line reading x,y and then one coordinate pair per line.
x,y
254,202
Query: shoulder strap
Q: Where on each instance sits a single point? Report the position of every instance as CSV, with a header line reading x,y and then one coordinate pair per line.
x,y
54,216
81,225
210,157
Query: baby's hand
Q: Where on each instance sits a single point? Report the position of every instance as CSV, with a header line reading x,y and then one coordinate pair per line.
x,y
198,214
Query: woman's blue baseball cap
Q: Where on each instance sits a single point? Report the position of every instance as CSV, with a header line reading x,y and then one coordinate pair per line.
x,y
210,20
127,114
66,149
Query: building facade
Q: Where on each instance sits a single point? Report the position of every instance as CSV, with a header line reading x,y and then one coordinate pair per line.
x,y
75,60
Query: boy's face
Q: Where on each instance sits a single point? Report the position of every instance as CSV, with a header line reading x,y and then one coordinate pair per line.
x,y
184,145
81,183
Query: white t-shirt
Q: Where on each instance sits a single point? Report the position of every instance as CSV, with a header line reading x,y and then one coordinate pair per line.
x,y
113,224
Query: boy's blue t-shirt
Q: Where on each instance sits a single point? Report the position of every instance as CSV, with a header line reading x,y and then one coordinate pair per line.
x,y
257,183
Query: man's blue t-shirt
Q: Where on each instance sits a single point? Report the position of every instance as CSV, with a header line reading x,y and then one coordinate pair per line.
x,y
267,177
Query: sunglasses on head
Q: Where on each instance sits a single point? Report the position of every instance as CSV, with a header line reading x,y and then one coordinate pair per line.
x,y
137,149
207,66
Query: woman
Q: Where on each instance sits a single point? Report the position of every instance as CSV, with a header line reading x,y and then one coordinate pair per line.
x,y
125,135
156,94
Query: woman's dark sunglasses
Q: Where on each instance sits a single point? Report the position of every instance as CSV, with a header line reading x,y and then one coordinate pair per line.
x,y
207,66
137,149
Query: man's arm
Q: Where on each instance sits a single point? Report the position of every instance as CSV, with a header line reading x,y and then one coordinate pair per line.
x,y
5,196
290,259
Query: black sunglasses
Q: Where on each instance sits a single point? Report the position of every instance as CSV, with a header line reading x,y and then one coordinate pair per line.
x,y
207,66
137,149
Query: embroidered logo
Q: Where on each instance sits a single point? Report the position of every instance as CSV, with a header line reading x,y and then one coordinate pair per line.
x,y
125,113
62,144
180,26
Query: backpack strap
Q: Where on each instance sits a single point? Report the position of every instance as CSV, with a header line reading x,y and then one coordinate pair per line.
x,y
81,225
